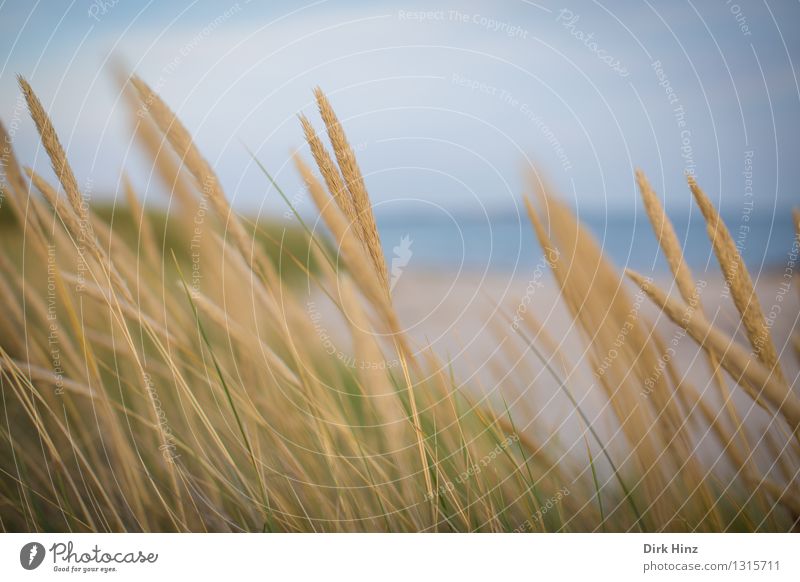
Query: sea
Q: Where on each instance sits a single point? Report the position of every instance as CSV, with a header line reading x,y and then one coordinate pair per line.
x,y
506,242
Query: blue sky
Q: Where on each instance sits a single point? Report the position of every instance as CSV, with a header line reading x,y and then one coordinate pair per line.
x,y
452,106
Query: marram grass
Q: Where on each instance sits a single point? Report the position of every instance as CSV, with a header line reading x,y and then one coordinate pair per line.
x,y
161,378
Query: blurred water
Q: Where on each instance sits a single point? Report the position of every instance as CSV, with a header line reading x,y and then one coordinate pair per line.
x,y
506,242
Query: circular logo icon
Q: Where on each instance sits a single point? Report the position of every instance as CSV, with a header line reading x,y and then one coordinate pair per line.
x,y
31,555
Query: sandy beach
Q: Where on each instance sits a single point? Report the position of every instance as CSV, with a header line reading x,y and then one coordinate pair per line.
x,y
480,324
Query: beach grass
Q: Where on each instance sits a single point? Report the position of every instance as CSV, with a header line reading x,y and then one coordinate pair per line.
x,y
162,370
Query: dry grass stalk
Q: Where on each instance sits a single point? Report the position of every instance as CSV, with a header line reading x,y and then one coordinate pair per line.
x,y
763,387
668,241
82,232
738,280
354,182
321,457
257,346
206,178
15,189
156,147
345,237
54,149
143,226
80,223
369,282
330,173
374,381
579,268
